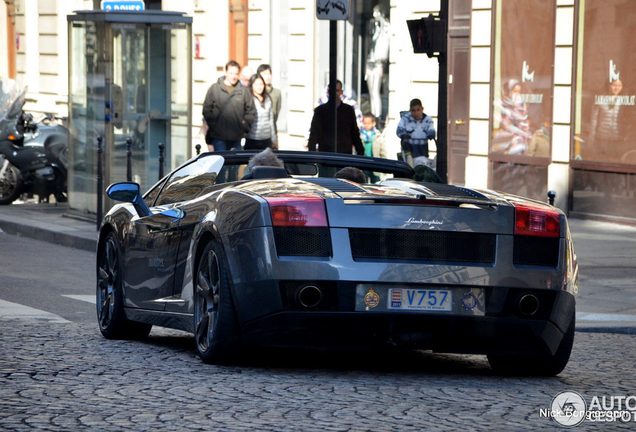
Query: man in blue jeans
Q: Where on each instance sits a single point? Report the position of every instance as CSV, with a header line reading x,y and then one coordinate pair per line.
x,y
228,110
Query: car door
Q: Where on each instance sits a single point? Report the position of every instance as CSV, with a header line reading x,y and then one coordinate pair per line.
x,y
153,244
153,240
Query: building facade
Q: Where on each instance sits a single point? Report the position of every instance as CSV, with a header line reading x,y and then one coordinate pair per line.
x,y
540,92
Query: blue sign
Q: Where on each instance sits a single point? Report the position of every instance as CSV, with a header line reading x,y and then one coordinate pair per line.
x,y
123,5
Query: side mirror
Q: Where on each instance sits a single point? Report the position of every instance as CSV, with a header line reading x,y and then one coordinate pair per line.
x,y
129,192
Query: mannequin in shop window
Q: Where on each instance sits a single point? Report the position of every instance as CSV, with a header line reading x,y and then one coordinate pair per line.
x,y
377,59
608,126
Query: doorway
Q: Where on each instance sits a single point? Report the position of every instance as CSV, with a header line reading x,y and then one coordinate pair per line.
x,y
13,39
458,89
238,31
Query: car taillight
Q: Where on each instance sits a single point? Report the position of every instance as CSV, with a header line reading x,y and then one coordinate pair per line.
x,y
536,220
298,210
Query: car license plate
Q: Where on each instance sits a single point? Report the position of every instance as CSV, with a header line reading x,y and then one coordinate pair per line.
x,y
420,299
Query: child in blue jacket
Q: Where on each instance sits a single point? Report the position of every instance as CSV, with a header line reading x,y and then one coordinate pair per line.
x,y
415,129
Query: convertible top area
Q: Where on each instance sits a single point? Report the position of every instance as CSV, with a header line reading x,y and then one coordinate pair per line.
x,y
332,160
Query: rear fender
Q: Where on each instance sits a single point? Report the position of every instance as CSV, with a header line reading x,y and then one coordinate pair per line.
x,y
206,232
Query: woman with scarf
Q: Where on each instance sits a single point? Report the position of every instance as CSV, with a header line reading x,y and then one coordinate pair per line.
x,y
514,129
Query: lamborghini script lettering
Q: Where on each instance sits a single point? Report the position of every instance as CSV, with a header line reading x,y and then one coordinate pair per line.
x,y
424,222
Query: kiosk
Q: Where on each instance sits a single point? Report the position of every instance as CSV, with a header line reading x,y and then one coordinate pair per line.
x,y
130,76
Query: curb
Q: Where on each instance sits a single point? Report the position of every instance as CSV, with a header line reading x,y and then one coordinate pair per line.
x,y
49,236
613,330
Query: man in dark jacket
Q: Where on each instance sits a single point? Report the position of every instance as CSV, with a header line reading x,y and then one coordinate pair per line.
x,y
348,132
228,110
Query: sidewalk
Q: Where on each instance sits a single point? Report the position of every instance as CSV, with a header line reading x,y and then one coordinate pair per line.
x,y
606,253
49,222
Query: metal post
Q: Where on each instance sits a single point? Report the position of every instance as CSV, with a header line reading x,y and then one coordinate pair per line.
x,y
333,77
198,147
128,159
100,180
442,104
162,147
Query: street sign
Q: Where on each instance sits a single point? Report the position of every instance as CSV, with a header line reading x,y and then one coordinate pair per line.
x,y
123,5
333,10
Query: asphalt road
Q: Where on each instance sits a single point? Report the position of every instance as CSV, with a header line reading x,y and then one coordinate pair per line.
x,y
58,374
47,277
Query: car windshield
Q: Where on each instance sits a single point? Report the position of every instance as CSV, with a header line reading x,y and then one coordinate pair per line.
x,y
191,179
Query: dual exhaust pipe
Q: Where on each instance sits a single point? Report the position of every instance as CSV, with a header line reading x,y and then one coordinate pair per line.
x,y
528,305
309,296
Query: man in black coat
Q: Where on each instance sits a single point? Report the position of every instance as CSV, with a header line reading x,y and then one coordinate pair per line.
x,y
348,132
228,110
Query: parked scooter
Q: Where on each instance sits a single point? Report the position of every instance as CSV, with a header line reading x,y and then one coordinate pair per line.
x,y
33,154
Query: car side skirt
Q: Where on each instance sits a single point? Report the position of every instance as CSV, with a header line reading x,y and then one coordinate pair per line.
x,y
178,321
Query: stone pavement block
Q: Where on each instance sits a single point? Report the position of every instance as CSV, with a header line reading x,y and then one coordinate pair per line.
x,y
90,382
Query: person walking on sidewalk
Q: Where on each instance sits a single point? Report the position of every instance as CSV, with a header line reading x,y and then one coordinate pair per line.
x,y
348,134
266,72
263,131
245,75
228,110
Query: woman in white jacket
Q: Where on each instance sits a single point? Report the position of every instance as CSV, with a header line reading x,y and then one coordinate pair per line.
x,y
263,131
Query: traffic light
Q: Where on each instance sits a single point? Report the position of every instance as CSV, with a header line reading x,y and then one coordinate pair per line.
x,y
428,35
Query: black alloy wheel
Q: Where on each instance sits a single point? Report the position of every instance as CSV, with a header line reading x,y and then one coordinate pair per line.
x,y
10,184
110,298
215,324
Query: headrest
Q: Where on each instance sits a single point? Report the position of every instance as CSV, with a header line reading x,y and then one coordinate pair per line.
x,y
265,172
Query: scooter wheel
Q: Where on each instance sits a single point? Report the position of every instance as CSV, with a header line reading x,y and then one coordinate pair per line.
x,y
10,184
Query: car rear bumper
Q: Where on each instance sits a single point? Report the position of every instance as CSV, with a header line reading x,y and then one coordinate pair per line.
x,y
483,335
501,334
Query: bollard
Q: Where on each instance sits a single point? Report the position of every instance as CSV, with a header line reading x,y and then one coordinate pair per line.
x,y
100,180
551,196
162,147
198,147
128,159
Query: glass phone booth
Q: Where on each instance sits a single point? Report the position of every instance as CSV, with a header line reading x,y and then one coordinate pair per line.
x,y
130,76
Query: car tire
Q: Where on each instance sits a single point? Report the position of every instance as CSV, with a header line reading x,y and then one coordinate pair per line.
x,y
10,185
217,338
110,297
537,365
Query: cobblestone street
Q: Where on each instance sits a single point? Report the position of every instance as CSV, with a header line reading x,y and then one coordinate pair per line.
x,y
64,376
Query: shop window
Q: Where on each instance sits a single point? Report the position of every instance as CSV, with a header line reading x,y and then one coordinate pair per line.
x,y
520,145
524,180
605,110
523,80
604,193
